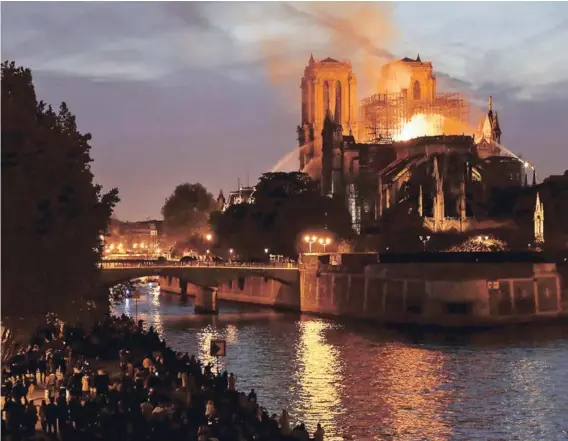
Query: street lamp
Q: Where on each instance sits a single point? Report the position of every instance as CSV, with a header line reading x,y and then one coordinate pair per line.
x,y
424,240
208,237
266,251
324,242
310,240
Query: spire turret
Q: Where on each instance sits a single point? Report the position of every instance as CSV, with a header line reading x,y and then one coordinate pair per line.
x,y
420,203
439,203
462,200
220,201
538,220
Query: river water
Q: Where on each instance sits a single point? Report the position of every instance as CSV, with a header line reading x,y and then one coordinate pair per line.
x,y
366,383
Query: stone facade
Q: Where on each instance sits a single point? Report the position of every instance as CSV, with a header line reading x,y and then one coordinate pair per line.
x,y
445,294
327,86
256,290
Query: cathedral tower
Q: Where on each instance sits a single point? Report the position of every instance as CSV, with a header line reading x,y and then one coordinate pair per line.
x,y
327,86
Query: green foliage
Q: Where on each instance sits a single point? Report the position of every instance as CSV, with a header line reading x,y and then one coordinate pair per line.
x,y
187,210
286,206
52,212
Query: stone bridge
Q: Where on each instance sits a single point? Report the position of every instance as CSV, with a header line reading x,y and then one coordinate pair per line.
x,y
207,278
202,275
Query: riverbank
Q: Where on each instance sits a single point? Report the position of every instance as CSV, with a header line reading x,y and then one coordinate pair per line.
x,y
154,392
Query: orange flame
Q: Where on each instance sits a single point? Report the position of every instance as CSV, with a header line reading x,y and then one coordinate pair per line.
x,y
421,125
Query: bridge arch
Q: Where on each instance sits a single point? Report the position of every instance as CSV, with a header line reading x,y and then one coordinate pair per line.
x,y
208,279
202,276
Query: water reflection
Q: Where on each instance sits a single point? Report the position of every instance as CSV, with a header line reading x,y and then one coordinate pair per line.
x,y
408,383
318,376
368,383
155,318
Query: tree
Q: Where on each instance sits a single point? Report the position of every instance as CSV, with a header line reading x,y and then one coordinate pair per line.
x,y
187,210
53,214
285,206
281,185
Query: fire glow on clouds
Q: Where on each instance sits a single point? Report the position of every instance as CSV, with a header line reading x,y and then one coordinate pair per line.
x,y
279,37
141,74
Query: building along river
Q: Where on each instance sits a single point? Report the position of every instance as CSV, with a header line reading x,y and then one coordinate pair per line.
x,y
363,382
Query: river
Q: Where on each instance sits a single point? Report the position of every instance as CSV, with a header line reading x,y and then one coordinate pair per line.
x,y
363,382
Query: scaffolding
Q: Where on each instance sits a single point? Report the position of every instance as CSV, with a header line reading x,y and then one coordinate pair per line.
x,y
385,115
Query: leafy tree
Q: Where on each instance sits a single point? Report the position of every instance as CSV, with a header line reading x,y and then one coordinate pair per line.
x,y
285,206
187,210
281,185
52,212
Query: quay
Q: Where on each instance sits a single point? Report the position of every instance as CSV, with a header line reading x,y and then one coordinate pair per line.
x,y
430,289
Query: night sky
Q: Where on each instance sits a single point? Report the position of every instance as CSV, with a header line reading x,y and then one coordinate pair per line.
x,y
208,92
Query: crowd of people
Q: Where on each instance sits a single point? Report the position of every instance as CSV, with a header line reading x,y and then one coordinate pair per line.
x,y
155,393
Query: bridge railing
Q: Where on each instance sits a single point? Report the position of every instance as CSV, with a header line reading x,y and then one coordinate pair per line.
x,y
108,264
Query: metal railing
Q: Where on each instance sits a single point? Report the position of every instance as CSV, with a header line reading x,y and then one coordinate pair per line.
x,y
110,264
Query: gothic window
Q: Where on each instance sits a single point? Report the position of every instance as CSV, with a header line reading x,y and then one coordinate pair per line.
x,y
416,90
325,98
338,102
305,116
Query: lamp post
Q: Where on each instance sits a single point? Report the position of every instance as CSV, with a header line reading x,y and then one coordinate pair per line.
x,y
324,242
310,240
230,254
424,240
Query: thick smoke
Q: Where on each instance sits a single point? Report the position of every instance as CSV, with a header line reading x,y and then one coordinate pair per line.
x,y
359,32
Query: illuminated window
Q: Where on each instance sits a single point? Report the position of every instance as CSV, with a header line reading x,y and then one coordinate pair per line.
x,y
338,102
325,97
416,90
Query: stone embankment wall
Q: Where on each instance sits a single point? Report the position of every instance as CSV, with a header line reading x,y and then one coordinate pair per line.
x,y
255,290
436,293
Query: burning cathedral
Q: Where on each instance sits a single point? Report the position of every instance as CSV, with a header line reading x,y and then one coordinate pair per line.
x,y
407,144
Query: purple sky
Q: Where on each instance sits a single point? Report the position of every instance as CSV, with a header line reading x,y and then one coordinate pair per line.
x,y
208,92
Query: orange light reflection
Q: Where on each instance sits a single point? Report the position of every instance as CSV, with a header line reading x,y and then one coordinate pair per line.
x,y
319,374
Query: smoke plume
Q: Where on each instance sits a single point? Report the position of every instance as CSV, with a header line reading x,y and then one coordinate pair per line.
x,y
359,32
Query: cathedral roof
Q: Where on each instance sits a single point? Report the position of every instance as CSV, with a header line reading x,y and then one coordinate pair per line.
x,y
496,123
410,60
329,60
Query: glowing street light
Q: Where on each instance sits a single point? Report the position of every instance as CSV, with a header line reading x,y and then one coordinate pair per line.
x,y
424,240
208,237
231,251
266,251
324,242
207,251
310,240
